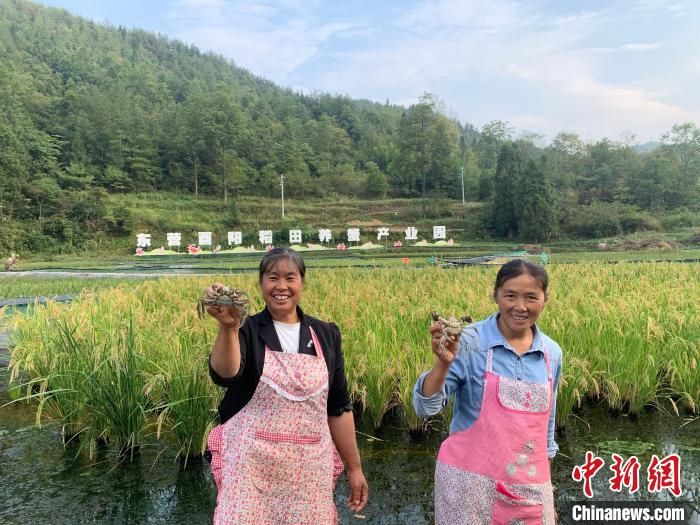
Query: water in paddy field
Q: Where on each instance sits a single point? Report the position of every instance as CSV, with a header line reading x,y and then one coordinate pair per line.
x,y
44,483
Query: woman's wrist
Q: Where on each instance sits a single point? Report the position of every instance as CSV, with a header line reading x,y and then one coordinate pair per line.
x,y
354,466
440,367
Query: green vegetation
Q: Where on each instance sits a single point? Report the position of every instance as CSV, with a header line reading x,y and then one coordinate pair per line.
x,y
47,287
629,334
98,124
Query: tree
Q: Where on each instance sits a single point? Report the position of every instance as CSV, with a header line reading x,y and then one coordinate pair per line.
x,y
377,184
656,185
414,140
427,150
493,135
506,180
569,151
684,141
683,144
46,195
233,173
485,185
533,205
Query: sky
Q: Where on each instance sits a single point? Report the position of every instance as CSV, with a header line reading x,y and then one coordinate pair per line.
x,y
595,68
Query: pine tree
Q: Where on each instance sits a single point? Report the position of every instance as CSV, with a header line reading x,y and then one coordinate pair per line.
x,y
508,169
533,205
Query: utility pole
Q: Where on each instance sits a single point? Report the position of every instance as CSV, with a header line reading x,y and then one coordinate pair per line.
x,y
282,186
462,184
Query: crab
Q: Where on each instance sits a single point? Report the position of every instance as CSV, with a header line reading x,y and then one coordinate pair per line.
x,y
224,297
450,327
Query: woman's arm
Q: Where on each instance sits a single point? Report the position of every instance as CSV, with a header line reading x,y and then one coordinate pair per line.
x,y
226,354
342,428
343,433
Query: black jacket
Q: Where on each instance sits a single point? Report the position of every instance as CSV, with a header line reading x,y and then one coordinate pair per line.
x,y
259,331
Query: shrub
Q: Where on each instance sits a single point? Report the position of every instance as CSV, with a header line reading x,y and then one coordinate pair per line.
x,y
594,221
680,218
634,221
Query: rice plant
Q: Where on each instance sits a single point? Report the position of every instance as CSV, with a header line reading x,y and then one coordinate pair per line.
x,y
129,361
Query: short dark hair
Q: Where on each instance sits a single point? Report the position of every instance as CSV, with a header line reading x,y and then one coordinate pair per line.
x,y
518,267
271,258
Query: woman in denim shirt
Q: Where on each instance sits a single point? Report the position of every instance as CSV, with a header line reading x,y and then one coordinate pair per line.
x,y
504,373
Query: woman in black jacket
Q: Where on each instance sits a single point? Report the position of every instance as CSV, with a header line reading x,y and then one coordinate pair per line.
x,y
286,408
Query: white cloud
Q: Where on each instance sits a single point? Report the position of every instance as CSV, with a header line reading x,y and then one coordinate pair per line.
x,y
271,40
626,47
495,58
654,6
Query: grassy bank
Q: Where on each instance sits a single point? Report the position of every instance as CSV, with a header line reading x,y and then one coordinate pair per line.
x,y
158,213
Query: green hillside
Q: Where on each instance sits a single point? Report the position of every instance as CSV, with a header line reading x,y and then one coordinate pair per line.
x,y
98,123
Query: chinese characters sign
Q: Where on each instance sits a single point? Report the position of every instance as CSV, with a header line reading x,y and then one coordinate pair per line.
x,y
173,239
235,238
325,235
295,236
382,233
265,237
204,238
143,240
662,474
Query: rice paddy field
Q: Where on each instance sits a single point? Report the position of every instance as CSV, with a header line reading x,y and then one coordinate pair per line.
x,y
126,361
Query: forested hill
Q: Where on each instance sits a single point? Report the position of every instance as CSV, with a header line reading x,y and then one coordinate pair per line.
x,y
89,111
130,110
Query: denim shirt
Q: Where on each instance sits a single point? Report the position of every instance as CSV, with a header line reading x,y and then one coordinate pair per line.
x,y
465,378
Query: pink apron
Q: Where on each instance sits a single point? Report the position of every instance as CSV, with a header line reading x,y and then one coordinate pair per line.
x,y
274,461
496,472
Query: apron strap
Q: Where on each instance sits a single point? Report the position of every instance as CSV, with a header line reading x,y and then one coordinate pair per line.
x,y
317,344
549,364
489,361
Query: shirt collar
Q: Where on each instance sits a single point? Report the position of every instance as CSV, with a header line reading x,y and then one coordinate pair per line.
x,y
492,336
269,335
266,318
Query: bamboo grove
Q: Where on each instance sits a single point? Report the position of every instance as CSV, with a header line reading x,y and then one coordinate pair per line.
x,y
129,363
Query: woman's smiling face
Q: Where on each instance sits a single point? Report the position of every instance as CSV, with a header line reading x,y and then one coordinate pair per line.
x,y
281,289
520,302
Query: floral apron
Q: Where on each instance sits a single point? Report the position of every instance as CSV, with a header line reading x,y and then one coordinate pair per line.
x,y
496,472
274,461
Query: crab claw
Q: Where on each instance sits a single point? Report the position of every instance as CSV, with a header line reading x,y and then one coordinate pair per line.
x,y
435,316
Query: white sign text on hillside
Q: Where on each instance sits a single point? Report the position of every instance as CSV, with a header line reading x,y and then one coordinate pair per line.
x,y
143,240
173,238
324,235
295,236
382,233
204,238
265,237
235,238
